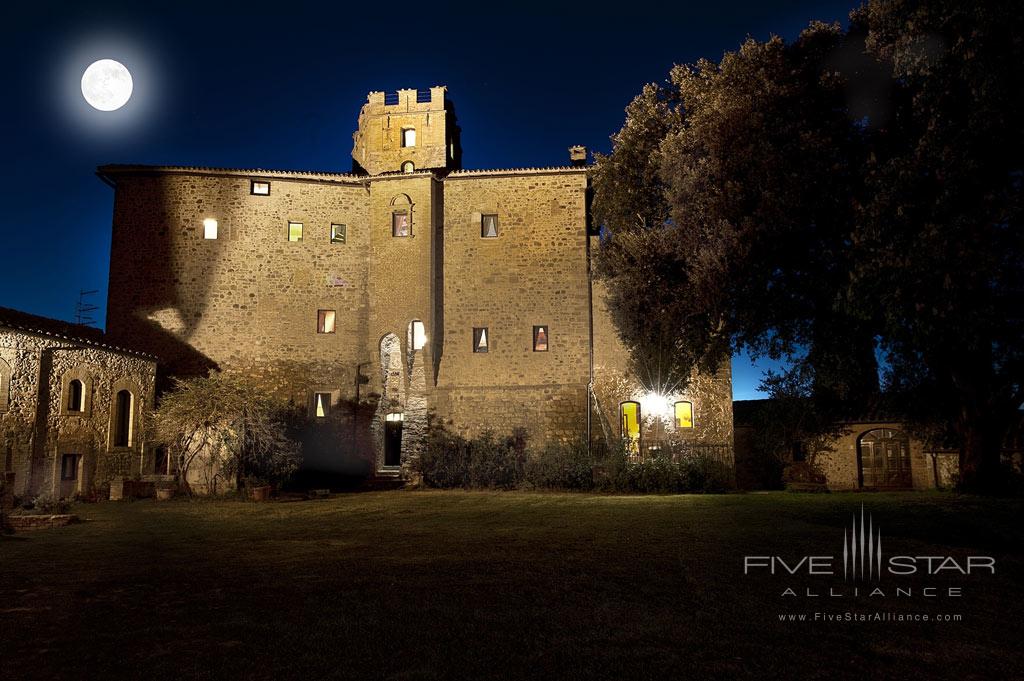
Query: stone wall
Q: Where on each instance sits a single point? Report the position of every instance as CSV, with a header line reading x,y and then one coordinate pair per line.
x,y
37,429
840,464
377,143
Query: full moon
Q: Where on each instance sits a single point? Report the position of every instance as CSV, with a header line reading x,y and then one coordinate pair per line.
x,y
106,85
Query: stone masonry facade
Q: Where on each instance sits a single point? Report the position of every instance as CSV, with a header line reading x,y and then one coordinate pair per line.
x,y
380,282
72,409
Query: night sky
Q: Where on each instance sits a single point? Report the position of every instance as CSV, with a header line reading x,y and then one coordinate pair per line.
x,y
280,87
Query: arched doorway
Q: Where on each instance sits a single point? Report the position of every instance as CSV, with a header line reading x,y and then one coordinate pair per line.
x,y
883,457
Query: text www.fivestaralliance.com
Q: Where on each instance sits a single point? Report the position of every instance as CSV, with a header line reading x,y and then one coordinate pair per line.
x,y
876,616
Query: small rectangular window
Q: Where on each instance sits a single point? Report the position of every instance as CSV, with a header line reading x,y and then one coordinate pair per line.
x,y
408,137
294,231
325,321
400,223
489,226
338,234
540,339
259,188
481,341
69,467
321,405
684,415
209,228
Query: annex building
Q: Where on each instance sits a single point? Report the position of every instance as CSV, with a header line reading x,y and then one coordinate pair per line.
x,y
406,288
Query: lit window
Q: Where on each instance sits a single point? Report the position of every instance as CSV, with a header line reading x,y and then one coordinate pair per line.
x,y
419,335
69,467
684,414
540,339
294,231
322,405
630,415
325,321
408,167
400,223
259,188
408,137
488,226
481,342
76,396
210,228
123,419
338,234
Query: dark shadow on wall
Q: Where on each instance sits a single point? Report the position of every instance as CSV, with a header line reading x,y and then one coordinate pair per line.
x,y
158,268
337,447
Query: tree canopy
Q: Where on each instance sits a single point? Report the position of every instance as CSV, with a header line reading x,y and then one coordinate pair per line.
x,y
851,192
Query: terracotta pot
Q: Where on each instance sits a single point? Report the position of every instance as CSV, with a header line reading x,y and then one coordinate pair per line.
x,y
261,493
164,493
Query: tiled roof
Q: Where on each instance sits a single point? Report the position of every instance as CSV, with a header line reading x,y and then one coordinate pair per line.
x,y
128,169
518,171
60,329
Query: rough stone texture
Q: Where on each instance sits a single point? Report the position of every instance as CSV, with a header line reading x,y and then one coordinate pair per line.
x,y
36,429
377,142
248,300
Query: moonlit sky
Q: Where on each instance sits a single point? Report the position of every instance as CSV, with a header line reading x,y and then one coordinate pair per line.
x,y
243,85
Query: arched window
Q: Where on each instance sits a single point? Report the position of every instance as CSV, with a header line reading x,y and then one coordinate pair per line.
x,y
683,415
629,415
408,167
76,396
123,418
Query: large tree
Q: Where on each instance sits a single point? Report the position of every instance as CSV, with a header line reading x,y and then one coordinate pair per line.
x,y
850,190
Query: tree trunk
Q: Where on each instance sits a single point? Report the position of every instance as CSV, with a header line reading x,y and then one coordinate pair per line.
x,y
981,440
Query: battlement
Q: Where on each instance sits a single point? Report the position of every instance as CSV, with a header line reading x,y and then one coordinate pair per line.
x,y
407,130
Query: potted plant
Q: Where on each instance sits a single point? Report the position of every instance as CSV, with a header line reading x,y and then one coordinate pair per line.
x,y
165,492
260,489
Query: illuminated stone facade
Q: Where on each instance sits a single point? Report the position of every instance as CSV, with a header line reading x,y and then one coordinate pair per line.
x,y
72,408
503,251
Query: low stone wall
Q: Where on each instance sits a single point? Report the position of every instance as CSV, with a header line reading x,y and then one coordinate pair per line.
x,y
27,523
131,489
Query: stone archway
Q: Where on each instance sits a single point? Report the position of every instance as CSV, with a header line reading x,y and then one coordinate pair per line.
x,y
392,397
883,459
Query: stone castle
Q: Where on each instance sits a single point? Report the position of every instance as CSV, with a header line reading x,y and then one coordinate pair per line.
x,y
405,288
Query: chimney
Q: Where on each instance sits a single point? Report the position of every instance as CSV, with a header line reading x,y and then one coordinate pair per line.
x,y
578,155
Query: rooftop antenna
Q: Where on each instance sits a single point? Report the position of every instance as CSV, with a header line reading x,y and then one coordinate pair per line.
x,y
84,309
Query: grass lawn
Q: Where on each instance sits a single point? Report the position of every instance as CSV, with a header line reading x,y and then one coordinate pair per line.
x,y
443,585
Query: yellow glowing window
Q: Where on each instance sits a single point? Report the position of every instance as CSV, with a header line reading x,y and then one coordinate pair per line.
x,y
419,335
325,321
322,404
294,231
630,412
684,414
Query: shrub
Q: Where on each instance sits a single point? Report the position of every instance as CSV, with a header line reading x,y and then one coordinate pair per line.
x,y
561,465
450,460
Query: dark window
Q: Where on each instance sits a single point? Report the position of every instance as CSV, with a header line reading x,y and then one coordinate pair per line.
x,y
481,340
489,226
400,223
69,467
76,396
259,188
160,461
540,339
325,321
338,233
123,419
321,405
